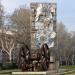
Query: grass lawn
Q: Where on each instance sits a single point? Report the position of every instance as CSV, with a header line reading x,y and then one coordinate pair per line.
x,y
68,67
8,72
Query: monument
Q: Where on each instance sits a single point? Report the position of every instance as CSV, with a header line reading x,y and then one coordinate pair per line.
x,y
44,28
43,24
43,39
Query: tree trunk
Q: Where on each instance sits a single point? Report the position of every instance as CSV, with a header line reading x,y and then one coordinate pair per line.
x,y
10,57
66,62
73,59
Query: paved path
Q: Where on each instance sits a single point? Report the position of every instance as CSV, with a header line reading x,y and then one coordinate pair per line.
x,y
35,73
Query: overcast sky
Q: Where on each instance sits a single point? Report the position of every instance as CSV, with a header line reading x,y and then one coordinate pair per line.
x,y
65,10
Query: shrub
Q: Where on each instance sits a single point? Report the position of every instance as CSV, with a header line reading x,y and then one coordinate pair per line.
x,y
1,66
9,66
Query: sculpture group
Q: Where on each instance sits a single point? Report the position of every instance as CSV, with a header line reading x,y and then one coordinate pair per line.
x,y
43,38
31,62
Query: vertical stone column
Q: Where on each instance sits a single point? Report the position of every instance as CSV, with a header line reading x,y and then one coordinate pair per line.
x,y
52,65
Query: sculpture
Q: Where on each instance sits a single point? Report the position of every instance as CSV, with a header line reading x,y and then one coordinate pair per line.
x,y
28,63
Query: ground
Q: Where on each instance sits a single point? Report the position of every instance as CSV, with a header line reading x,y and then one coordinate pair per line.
x,y
68,70
7,72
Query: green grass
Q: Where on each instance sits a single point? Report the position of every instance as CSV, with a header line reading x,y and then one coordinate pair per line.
x,y
8,72
68,67
69,73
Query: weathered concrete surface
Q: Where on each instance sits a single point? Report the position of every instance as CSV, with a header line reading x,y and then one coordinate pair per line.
x,y
52,72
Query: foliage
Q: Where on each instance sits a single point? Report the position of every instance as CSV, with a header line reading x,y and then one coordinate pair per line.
x,y
66,43
9,66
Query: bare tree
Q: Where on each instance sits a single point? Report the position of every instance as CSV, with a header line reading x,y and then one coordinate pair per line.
x,y
7,42
21,20
64,43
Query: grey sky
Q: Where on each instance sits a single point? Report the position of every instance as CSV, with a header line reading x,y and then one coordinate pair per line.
x,y
65,10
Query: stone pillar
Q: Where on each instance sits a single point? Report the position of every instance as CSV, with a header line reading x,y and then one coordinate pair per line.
x,y
57,65
52,63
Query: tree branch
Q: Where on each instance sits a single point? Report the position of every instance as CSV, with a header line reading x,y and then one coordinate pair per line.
x,y
3,47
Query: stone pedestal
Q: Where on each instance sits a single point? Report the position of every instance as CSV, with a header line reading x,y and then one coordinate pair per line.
x,y
57,65
52,65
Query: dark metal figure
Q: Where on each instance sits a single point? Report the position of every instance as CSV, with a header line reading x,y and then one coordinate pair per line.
x,y
45,59
24,57
41,62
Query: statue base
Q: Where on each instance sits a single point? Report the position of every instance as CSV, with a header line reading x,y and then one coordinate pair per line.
x,y
36,73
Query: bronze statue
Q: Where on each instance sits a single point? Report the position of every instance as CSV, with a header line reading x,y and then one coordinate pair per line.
x,y
28,63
